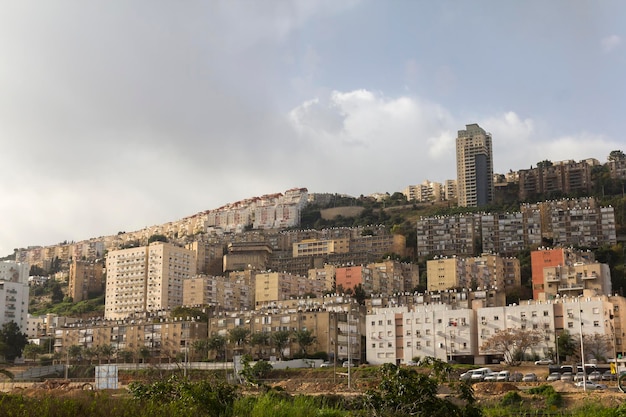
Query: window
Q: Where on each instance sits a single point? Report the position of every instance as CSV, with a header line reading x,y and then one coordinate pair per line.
x,y
533,314
570,325
596,323
496,318
388,322
408,344
373,323
389,344
380,322
596,310
545,313
408,333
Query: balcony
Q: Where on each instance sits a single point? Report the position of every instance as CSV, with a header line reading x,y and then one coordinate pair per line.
x,y
571,287
593,275
553,278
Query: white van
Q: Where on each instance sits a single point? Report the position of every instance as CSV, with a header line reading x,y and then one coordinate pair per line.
x,y
479,374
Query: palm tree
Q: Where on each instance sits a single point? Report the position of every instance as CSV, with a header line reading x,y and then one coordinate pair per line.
x,y
260,340
75,351
280,340
239,337
217,344
305,339
107,351
201,347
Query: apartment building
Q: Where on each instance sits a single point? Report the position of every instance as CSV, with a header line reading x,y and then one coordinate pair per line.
x,y
271,287
161,336
510,233
316,247
425,192
398,334
387,277
233,292
209,256
576,279
617,168
14,293
549,261
564,177
146,278
448,235
335,321
488,271
325,275
566,222
474,167
86,279
581,222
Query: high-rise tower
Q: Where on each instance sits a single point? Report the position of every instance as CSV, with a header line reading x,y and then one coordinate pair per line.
x,y
474,167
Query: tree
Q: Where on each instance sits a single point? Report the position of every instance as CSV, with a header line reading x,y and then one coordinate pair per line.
x,y
75,351
280,340
261,340
239,336
566,345
107,351
145,353
32,351
157,238
201,347
359,294
405,392
305,339
217,344
596,345
511,344
616,156
12,341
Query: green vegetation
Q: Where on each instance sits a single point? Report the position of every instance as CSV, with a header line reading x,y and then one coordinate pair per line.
x,y
93,307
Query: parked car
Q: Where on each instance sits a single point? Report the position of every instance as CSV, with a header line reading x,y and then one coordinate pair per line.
x,y
347,364
503,376
516,377
491,377
595,376
326,365
590,385
580,376
609,376
479,374
567,377
530,377
554,376
544,361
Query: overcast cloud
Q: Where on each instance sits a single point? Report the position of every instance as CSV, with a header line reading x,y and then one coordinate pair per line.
x,y
115,115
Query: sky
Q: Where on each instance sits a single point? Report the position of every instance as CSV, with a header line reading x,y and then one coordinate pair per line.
x,y
117,115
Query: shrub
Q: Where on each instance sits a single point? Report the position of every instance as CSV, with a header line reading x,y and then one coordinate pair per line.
x,y
511,398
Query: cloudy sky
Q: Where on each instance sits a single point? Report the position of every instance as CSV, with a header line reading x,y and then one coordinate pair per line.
x,y
116,115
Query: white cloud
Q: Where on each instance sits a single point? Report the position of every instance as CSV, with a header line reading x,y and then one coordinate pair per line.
x,y
609,43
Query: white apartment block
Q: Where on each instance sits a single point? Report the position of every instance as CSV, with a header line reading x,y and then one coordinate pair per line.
x,y
548,318
398,334
146,278
14,293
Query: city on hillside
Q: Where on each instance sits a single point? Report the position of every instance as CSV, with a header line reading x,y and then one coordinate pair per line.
x,y
438,269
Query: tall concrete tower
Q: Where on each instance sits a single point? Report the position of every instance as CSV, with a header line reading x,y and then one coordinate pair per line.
x,y
474,167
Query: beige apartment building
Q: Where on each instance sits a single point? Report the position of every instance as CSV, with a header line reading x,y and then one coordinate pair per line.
x,y
274,287
146,278
575,279
233,292
336,322
161,337
488,271
474,167
86,278
315,247
564,177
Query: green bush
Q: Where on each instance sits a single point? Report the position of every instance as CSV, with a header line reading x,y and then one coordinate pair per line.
x,y
511,398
